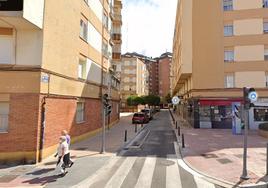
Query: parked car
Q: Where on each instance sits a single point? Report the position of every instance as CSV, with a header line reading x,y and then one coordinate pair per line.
x,y
148,112
140,118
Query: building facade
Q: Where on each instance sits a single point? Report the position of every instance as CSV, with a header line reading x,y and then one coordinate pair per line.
x,y
153,68
220,47
53,69
116,37
164,67
134,79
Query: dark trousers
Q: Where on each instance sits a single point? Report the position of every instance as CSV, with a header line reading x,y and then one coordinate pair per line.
x,y
66,160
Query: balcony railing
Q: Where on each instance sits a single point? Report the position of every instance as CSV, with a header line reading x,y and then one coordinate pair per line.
x,y
116,56
116,37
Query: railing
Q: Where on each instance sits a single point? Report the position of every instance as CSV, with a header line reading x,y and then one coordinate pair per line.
x,y
3,123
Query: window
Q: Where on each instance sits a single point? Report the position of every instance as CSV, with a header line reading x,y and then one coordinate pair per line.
x,y
261,114
229,81
82,69
4,112
105,49
266,54
228,56
6,49
265,27
266,79
228,30
80,112
265,3
227,5
83,30
105,21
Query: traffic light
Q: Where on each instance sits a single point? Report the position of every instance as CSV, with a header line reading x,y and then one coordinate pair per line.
x,y
250,96
106,99
108,109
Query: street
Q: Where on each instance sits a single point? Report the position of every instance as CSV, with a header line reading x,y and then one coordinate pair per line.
x,y
154,164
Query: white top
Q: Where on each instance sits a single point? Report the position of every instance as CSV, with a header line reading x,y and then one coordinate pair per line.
x,y
63,146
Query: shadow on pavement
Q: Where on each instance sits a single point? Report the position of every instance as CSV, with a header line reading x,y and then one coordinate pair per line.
x,y
41,171
44,180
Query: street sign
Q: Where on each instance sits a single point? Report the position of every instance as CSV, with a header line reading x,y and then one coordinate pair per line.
x,y
175,100
253,96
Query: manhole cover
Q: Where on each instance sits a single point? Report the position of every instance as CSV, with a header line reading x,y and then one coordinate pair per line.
x,y
209,155
167,162
8,178
224,161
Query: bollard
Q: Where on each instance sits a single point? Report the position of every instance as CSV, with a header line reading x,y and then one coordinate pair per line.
x,y
136,129
267,160
125,135
141,125
176,125
179,131
182,141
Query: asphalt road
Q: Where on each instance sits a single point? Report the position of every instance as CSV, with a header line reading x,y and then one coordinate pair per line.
x,y
154,164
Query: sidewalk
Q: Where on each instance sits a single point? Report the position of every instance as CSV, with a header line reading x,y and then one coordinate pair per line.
x,y
85,154
219,154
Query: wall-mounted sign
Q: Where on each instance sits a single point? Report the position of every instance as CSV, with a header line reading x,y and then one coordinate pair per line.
x,y
11,5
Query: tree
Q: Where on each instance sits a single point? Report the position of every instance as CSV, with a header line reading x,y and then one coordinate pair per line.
x,y
134,100
168,98
151,100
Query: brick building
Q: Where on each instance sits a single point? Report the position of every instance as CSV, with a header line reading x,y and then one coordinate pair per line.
x,y
53,70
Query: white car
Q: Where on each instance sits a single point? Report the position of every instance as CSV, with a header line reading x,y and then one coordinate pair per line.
x,y
148,112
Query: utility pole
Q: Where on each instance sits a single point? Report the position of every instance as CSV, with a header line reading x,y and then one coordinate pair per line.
x,y
249,97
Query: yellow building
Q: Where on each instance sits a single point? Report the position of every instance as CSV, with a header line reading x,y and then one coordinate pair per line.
x,y
134,78
54,59
220,46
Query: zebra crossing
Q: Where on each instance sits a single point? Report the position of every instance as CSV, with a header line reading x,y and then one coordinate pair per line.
x,y
140,172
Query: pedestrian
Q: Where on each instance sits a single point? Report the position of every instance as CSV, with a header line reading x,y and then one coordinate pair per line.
x,y
63,155
68,140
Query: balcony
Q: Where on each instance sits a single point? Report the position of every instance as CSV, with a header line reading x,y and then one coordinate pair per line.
x,y
117,38
22,14
116,56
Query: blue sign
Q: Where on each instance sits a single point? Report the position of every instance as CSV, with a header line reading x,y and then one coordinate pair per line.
x,y
253,96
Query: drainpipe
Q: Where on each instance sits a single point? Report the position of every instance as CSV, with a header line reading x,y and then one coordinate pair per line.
x,y
42,130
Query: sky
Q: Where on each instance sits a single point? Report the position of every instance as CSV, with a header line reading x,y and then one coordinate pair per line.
x,y
148,26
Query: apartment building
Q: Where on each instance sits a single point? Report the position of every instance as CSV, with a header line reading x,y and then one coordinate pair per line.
x,y
134,78
164,67
153,68
53,71
220,46
116,36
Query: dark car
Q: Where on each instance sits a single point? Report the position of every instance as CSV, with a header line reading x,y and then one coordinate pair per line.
x,y
140,118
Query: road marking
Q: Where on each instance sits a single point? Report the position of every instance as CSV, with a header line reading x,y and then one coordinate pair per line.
x,y
146,175
119,176
100,173
173,179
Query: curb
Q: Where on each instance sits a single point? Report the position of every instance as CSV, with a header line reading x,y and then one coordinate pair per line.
x,y
211,179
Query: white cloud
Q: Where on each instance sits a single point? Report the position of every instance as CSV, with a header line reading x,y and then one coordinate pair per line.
x,y
148,26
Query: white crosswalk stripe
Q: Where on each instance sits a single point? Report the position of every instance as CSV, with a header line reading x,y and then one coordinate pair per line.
x,y
119,176
146,175
173,179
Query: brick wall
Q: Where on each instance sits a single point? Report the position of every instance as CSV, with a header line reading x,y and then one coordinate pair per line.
x,y
23,119
60,115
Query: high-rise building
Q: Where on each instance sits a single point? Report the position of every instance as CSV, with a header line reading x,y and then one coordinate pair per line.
x,y
54,63
220,46
164,69
116,36
134,78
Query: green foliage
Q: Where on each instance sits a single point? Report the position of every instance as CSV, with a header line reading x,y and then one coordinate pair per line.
x,y
134,100
151,100
168,98
263,126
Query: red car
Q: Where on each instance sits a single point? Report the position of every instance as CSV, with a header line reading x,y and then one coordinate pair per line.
x,y
140,118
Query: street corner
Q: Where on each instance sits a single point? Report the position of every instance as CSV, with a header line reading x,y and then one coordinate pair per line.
x,y
218,154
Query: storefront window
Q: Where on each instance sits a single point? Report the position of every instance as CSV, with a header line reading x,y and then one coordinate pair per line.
x,y
260,114
204,113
